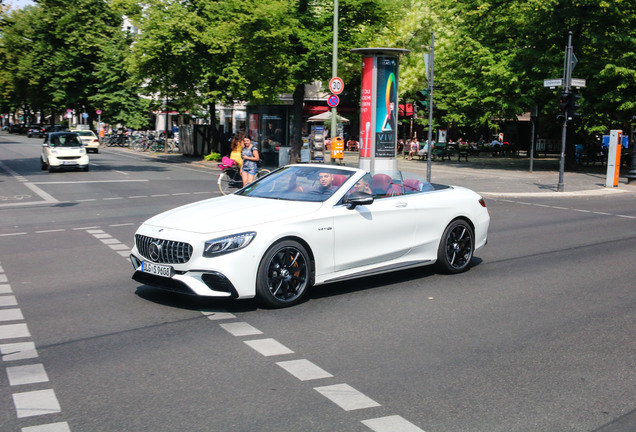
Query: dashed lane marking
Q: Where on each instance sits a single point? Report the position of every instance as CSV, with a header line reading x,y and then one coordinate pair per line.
x,y
32,403
346,397
566,208
268,347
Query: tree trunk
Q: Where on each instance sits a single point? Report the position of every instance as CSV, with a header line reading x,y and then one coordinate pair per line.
x,y
297,125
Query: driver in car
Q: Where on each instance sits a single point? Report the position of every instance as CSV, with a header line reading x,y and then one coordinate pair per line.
x,y
325,180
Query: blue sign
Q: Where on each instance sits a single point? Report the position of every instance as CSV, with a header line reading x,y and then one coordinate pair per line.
x,y
625,142
85,115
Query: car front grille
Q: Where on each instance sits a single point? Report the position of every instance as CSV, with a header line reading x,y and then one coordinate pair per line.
x,y
163,251
68,157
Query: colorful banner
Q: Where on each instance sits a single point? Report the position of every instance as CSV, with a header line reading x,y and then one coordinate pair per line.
x,y
365,107
386,108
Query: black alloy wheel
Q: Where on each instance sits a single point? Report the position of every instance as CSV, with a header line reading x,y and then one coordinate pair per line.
x,y
284,275
456,247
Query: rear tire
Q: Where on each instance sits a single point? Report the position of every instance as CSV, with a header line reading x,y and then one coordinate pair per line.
x,y
456,247
284,275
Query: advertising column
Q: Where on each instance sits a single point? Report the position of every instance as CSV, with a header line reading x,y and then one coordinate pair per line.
x,y
379,108
614,158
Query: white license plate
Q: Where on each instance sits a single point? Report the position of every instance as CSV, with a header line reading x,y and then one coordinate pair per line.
x,y
156,269
69,163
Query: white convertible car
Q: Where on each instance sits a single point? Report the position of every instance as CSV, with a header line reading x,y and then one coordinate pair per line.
x,y
306,225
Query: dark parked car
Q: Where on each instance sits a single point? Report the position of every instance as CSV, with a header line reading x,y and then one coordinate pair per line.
x,y
18,128
35,130
54,128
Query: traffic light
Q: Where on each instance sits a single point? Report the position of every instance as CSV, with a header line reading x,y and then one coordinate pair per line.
x,y
568,107
573,106
423,96
563,107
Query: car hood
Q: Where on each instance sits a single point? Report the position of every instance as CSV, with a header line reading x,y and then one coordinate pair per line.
x,y
231,212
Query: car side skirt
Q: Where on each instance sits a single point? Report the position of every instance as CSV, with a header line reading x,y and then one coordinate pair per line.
x,y
378,270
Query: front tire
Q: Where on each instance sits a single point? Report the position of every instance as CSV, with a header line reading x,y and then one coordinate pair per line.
x,y
456,247
284,275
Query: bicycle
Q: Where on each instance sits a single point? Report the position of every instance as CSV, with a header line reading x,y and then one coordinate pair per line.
x,y
230,180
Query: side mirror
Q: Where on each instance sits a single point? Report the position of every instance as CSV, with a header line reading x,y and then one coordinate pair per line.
x,y
358,198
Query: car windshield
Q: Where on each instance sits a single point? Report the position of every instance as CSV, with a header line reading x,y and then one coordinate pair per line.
x,y
299,183
85,133
65,140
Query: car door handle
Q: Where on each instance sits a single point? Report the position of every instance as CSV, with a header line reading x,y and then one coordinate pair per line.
x,y
400,204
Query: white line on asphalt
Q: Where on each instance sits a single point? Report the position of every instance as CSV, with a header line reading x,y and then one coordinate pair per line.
x,y
85,228
114,198
346,397
11,315
582,211
27,374
51,427
240,329
8,300
91,181
86,200
121,224
12,234
391,424
35,403
14,331
137,196
50,231
18,351
181,193
5,288
218,315
268,347
304,370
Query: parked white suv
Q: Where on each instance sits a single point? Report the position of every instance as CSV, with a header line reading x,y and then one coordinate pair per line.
x,y
63,150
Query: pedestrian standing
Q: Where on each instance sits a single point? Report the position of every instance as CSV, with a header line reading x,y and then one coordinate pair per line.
x,y
250,158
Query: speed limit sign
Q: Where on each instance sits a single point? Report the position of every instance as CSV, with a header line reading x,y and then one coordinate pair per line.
x,y
336,85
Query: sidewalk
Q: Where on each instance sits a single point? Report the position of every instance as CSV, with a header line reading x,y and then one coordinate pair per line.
x,y
491,176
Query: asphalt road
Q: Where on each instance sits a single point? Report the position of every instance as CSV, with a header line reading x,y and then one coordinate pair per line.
x,y
537,336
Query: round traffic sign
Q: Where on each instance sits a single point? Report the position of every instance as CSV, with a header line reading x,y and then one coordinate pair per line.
x,y
98,112
333,101
336,85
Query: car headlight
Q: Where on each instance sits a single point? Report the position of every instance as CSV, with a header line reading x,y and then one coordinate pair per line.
x,y
82,151
227,244
53,151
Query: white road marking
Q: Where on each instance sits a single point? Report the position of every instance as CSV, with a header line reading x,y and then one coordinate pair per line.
x,y
240,329
391,424
8,300
5,288
346,397
14,331
304,370
218,315
12,234
268,347
18,351
11,315
51,427
27,374
50,231
36,403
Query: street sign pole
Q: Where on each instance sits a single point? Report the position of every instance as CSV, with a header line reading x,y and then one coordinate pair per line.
x,y
334,66
430,76
566,88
